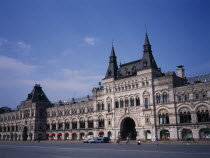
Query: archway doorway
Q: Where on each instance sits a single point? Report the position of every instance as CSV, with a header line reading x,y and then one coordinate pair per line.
x,y
204,133
128,129
25,133
109,134
187,134
148,135
164,134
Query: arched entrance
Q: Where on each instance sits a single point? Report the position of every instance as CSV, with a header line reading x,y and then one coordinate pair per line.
x,y
109,134
164,134
25,133
148,135
204,133
187,134
127,129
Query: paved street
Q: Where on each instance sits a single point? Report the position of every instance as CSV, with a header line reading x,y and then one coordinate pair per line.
x,y
79,150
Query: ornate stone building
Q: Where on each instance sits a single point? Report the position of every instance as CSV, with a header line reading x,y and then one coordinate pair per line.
x,y
136,100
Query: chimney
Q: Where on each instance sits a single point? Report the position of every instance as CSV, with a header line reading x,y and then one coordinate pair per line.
x,y
180,71
73,100
99,83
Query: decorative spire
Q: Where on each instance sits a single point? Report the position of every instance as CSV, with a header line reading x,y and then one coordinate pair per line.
x,y
112,52
146,42
112,68
147,46
148,60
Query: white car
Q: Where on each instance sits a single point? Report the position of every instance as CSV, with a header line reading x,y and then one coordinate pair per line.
x,y
93,140
87,140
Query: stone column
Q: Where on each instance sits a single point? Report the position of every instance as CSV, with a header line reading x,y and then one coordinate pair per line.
x,y
86,124
51,126
63,136
63,125
78,127
95,123
56,126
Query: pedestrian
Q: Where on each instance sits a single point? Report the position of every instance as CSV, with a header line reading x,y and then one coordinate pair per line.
x,y
39,139
156,142
139,142
118,140
128,140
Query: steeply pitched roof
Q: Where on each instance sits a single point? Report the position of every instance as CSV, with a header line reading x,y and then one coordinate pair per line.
x,y
37,94
146,41
112,68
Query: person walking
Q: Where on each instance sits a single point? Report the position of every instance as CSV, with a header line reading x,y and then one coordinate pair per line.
x,y
118,140
157,143
128,140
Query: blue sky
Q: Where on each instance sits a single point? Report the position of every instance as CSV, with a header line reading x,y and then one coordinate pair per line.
x,y
64,44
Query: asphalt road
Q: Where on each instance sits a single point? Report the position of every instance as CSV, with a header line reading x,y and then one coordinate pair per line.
x,y
79,150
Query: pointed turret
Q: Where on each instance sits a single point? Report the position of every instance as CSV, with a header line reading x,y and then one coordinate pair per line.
x,y
112,68
148,60
37,94
146,42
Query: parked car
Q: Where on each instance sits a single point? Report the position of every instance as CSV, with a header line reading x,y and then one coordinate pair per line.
x,y
97,140
87,140
103,139
92,140
106,139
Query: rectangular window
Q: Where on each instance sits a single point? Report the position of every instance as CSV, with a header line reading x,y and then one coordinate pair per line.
x,y
146,102
109,107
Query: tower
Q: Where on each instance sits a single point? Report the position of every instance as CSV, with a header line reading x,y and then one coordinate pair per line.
x,y
112,68
148,60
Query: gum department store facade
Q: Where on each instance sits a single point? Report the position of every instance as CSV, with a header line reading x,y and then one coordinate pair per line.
x,y
136,100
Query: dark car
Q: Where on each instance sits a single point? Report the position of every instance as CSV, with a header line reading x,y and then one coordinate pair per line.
x,y
106,140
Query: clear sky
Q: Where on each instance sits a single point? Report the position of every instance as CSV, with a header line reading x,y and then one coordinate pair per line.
x,y
65,44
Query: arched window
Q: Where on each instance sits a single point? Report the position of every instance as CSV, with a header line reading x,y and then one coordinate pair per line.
x,y
158,98
102,106
90,122
146,103
82,123
53,126
203,115
165,97
109,107
60,125
126,102
66,124
186,97
137,101
163,117
74,124
99,106
185,116
121,103
101,121
132,101
146,99
196,96
116,104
